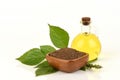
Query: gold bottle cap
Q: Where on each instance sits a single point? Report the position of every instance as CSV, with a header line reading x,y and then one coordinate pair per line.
x,y
86,20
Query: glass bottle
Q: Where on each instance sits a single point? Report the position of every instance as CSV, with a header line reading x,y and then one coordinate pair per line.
x,y
86,41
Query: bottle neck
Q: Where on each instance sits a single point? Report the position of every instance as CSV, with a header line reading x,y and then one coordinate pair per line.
x,y
86,29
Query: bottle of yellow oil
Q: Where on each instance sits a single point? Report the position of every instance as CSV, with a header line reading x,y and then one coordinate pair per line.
x,y
86,41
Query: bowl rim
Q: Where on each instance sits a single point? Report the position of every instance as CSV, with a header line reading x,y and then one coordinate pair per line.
x,y
70,59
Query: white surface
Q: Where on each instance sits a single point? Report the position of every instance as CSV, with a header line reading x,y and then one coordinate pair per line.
x,y
23,25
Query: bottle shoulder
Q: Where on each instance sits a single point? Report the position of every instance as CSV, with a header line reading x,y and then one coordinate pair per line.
x,y
86,34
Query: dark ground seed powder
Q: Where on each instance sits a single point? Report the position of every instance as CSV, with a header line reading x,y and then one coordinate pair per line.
x,y
67,54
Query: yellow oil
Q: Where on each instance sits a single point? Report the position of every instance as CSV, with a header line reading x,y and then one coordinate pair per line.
x,y
89,43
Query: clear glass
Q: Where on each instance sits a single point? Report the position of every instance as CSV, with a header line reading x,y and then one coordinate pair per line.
x,y
87,42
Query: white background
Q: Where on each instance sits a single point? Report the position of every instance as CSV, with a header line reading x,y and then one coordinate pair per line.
x,y
23,25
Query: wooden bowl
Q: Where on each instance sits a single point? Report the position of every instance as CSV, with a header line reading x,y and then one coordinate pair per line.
x,y
67,65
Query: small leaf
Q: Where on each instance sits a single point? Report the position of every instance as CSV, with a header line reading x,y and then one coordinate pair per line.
x,y
59,37
47,49
31,57
43,64
83,68
44,68
96,66
89,66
